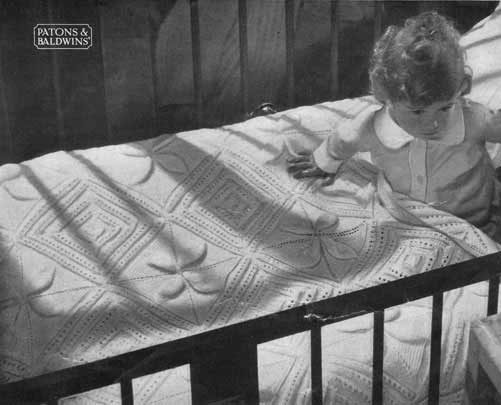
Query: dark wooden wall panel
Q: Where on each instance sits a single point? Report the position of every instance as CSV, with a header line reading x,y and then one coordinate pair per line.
x,y
266,34
137,79
27,73
125,35
174,69
312,43
220,59
81,79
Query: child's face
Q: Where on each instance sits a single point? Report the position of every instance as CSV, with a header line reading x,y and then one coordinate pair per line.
x,y
425,122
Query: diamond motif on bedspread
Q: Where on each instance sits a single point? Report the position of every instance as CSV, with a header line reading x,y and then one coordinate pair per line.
x,y
106,323
228,201
234,205
34,305
90,230
208,234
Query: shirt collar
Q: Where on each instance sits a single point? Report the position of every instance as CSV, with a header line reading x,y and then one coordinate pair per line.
x,y
394,137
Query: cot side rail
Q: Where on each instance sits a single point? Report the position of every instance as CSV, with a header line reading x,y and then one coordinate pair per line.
x,y
235,345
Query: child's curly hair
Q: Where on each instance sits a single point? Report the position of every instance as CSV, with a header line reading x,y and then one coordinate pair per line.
x,y
420,63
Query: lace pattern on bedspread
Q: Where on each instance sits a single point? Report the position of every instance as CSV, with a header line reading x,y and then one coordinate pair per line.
x,y
116,248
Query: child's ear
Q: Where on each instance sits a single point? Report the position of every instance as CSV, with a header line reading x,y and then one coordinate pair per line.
x,y
465,87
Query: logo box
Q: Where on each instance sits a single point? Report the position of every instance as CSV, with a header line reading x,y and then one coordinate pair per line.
x,y
62,36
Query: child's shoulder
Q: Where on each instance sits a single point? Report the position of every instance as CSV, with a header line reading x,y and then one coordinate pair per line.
x,y
361,122
478,117
474,107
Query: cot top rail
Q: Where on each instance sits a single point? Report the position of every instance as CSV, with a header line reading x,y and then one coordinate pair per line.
x,y
181,351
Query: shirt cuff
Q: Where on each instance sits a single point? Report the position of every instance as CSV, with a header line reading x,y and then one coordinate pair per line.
x,y
325,161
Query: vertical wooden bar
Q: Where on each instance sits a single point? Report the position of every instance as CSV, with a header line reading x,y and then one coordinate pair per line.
x,y
225,374
56,84
6,138
435,350
244,55
154,82
492,301
334,49
377,358
316,365
78,85
100,25
289,45
378,18
126,391
126,43
6,133
197,65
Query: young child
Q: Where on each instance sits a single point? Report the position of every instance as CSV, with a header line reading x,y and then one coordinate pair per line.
x,y
428,141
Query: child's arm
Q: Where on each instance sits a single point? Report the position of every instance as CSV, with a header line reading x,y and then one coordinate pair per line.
x,y
348,139
324,161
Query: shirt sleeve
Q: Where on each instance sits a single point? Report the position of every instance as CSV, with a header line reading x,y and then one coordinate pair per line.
x,y
493,126
348,139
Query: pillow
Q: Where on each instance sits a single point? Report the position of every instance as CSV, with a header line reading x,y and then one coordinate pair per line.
x,y
482,45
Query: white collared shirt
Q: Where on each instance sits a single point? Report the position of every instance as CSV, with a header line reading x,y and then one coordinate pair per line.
x,y
453,172
394,137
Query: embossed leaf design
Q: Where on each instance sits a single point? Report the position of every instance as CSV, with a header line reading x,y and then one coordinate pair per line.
x,y
339,249
164,262
299,224
139,151
186,270
314,241
193,256
42,282
160,156
149,173
173,288
204,280
43,305
22,192
325,223
328,223
174,164
6,242
22,189
31,293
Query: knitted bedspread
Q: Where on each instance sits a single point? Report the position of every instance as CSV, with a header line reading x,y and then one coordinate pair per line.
x,y
116,248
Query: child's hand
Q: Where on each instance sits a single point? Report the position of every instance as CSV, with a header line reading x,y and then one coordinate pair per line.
x,y
304,166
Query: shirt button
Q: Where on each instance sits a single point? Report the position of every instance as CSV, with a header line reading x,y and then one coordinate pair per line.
x,y
420,179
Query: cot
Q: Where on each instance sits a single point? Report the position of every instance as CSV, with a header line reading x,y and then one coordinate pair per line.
x,y
123,261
